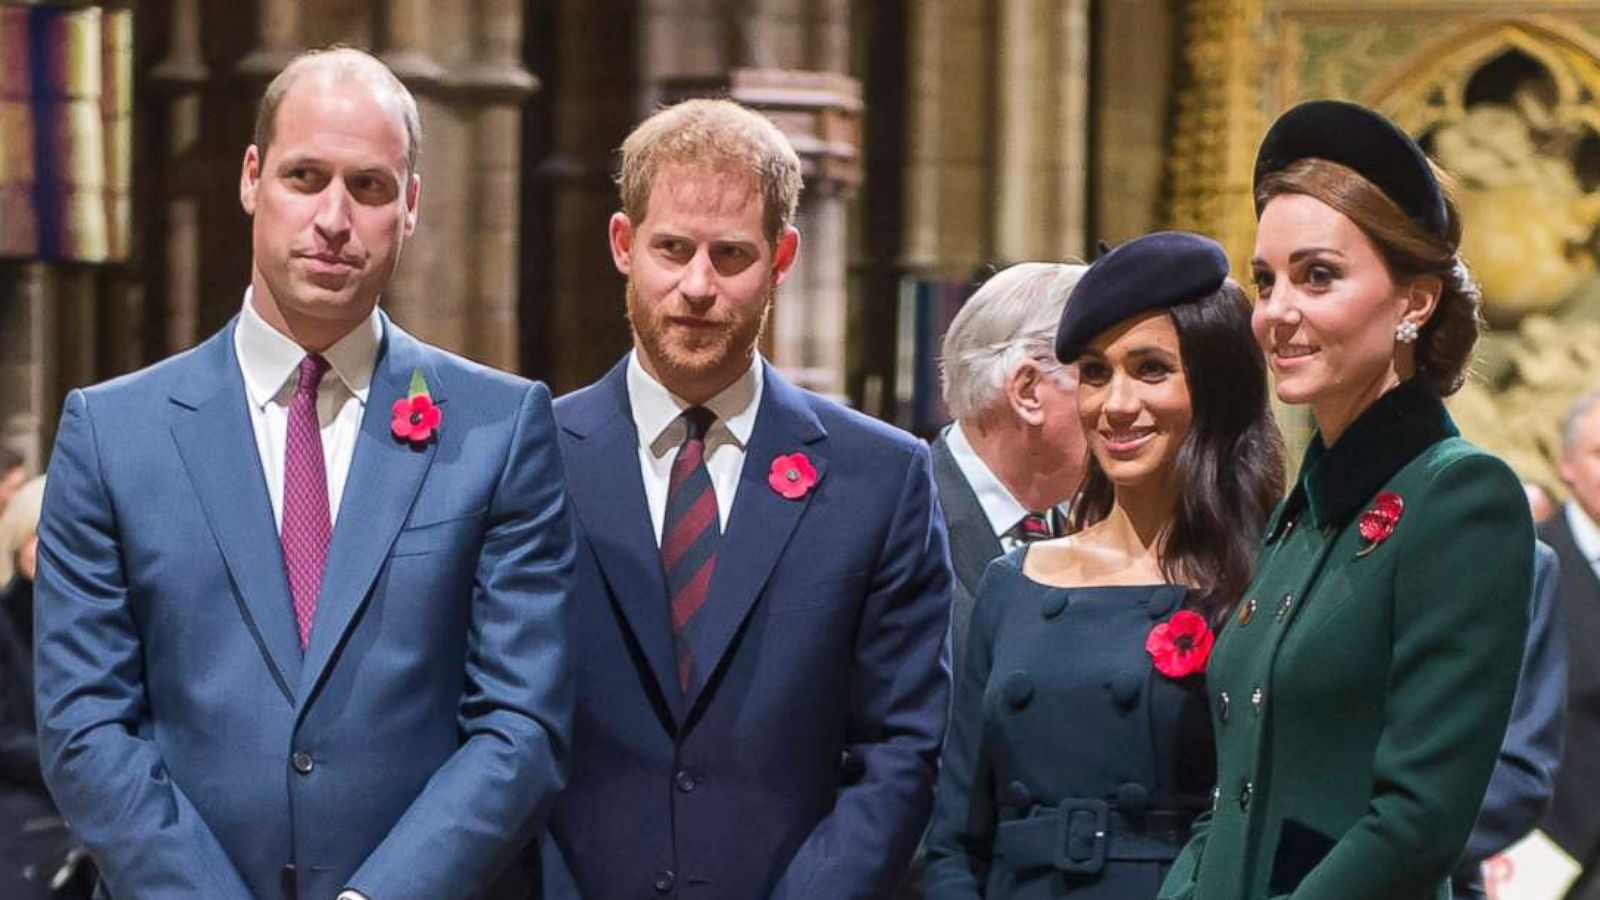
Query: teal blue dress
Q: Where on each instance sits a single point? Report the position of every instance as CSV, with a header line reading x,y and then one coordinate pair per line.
x,y
1072,767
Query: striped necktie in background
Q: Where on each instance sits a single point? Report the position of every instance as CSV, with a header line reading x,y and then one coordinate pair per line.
x,y
689,535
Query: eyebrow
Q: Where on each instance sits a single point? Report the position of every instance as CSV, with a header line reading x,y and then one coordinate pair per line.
x,y
1299,255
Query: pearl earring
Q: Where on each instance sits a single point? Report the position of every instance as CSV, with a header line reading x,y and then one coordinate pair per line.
x,y
1406,332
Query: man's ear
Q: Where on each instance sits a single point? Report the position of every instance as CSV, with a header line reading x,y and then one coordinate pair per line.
x,y
784,255
1022,384
413,193
250,179
621,234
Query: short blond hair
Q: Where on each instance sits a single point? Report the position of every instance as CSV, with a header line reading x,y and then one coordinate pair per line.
x,y
712,136
19,522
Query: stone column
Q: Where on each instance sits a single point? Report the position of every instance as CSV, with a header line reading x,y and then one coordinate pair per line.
x,y
179,78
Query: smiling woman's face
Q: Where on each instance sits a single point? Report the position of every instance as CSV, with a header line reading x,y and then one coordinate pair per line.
x,y
1326,310
1133,399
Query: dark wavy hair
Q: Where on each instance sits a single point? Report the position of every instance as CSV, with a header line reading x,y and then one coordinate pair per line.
x,y
1230,465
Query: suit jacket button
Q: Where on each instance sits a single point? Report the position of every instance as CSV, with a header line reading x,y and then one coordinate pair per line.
x,y
1018,690
685,781
302,763
664,881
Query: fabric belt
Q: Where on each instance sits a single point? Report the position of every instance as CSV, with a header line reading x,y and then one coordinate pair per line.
x,y
1080,835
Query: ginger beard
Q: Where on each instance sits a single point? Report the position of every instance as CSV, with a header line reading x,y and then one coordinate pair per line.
x,y
682,354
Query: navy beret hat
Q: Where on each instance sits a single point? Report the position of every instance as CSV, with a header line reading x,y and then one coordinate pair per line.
x,y
1359,139
1155,271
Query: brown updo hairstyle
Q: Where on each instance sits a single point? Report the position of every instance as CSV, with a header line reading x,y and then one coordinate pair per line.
x,y
1444,345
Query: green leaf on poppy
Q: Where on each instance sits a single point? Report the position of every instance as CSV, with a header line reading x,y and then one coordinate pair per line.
x,y
419,385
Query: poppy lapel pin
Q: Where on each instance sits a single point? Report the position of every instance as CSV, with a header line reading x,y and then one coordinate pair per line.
x,y
416,418
1180,646
1379,521
792,476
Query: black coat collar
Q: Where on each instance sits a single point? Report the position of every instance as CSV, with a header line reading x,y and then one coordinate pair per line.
x,y
1335,482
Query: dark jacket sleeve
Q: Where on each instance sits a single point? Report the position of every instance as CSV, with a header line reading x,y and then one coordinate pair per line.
x,y
1524,775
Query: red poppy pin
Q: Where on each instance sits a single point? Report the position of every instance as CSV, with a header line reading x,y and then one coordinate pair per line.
x,y
416,418
1180,646
792,476
1379,522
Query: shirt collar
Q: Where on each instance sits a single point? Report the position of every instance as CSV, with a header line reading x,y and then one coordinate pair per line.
x,y
269,359
1585,533
1335,481
656,409
1001,509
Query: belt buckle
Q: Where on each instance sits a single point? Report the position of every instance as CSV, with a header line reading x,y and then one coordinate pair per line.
x,y
1080,822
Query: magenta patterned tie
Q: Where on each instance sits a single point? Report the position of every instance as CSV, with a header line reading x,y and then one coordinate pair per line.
x,y
306,525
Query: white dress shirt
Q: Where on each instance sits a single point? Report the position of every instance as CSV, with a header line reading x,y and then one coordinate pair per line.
x,y
1586,534
270,363
656,414
1002,510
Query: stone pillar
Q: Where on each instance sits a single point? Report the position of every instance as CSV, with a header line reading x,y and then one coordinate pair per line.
x,y
179,78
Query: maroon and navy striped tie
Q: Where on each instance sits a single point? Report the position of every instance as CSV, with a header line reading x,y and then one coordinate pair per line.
x,y
689,535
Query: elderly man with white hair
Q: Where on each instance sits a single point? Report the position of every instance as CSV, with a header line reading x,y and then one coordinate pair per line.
x,y
1014,455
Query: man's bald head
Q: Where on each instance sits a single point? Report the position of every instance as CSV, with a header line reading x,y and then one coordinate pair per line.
x,y
340,64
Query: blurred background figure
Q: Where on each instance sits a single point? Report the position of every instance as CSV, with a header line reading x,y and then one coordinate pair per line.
x,y
12,474
1539,502
34,844
1574,818
1008,464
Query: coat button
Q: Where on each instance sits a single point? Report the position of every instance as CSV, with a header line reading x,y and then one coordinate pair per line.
x,y
1284,605
1247,612
1125,689
302,763
1018,690
1133,797
1223,703
1244,796
1257,698
1018,796
664,881
685,781
1054,604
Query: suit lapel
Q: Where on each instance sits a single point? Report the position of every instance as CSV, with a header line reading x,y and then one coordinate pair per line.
x,y
607,490
218,448
760,524
385,476
973,544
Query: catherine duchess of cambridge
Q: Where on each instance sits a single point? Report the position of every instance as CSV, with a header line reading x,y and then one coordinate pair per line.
x,y
1079,749
1360,693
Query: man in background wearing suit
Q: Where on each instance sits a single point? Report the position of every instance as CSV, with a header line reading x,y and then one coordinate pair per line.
x,y
764,581
1574,818
1015,453
302,590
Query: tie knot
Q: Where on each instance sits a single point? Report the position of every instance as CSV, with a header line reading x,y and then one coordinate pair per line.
x,y
312,368
698,420
1035,527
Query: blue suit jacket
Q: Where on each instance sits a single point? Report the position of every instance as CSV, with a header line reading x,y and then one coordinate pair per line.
x,y
802,764
409,750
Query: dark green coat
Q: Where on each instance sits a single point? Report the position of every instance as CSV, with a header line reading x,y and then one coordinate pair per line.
x,y
1359,698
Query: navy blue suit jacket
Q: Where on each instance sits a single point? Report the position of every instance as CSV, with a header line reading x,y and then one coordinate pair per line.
x,y
409,750
801,764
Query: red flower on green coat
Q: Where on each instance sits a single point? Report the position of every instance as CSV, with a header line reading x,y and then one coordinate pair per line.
x,y
1180,646
1379,522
